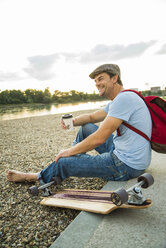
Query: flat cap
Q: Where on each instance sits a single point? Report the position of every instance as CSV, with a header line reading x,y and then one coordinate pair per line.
x,y
111,68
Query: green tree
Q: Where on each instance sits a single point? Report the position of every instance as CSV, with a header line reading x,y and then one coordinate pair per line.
x,y
16,96
30,95
38,96
47,96
4,97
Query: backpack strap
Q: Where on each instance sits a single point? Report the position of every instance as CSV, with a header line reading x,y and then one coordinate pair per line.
x,y
136,131
131,127
137,92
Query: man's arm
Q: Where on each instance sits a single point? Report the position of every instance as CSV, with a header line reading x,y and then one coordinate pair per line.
x,y
94,117
109,125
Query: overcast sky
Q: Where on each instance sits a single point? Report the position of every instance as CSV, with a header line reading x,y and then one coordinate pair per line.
x,y
57,43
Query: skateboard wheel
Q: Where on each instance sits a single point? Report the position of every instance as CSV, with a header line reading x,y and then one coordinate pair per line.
x,y
147,178
119,197
33,190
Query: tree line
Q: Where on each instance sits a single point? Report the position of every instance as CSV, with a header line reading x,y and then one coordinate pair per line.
x,y
39,96
152,93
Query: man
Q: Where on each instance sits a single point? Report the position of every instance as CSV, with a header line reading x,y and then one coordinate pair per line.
x,y
120,157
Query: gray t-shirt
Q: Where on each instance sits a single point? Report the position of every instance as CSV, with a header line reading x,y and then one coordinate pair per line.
x,y
130,147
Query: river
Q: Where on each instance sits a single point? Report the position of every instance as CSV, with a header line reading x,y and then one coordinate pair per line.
x,y
16,112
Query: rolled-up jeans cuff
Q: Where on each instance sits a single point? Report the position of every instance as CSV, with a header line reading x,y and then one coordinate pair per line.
x,y
40,179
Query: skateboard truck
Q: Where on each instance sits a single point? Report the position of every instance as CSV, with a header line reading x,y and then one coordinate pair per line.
x,y
34,190
134,194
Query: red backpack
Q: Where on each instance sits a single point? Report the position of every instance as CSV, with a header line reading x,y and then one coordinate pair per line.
x,y
157,109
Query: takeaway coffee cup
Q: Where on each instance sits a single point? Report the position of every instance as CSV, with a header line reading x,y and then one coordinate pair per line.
x,y
68,120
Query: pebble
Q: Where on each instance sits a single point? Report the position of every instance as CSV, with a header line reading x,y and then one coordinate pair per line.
x,y
30,144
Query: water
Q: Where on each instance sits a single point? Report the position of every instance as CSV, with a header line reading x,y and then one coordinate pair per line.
x,y
33,110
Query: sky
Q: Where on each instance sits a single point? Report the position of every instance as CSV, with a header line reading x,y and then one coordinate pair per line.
x,y
58,43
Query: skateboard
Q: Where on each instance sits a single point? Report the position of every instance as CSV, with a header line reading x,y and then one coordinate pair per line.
x,y
98,201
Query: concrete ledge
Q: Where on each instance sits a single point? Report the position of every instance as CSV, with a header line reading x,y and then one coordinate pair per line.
x,y
80,231
125,228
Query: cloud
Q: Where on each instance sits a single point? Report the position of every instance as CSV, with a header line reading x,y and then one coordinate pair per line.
x,y
9,76
103,52
70,56
40,66
162,50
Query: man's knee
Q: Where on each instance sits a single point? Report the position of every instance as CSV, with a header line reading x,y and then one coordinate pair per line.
x,y
88,129
84,132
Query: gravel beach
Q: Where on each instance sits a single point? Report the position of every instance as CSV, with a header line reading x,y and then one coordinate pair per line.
x,y
30,144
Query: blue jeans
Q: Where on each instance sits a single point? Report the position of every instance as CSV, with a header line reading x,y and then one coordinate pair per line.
x,y
104,165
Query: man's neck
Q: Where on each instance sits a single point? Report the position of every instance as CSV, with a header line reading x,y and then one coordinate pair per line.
x,y
118,88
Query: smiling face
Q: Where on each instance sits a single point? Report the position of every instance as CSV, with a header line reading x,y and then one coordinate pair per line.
x,y
106,85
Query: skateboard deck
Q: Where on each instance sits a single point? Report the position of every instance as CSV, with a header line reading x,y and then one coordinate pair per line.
x,y
96,201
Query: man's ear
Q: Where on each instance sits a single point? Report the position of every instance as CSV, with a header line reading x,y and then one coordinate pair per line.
x,y
115,79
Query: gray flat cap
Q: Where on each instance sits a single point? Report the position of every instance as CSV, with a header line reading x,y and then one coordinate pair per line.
x,y
112,68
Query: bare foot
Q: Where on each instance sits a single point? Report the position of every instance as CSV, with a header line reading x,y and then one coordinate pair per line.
x,y
18,176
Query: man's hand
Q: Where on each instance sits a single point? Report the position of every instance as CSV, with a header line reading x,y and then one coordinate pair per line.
x,y
63,124
62,154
